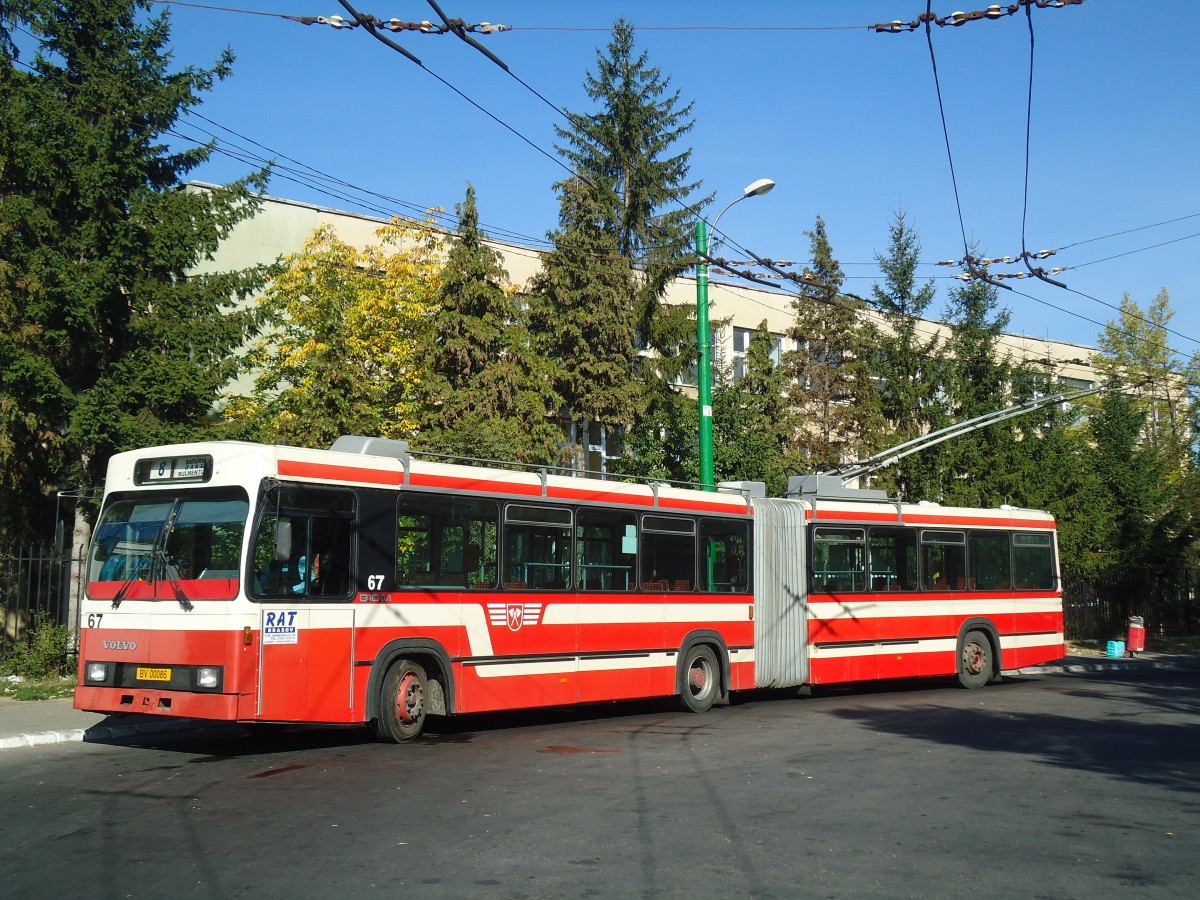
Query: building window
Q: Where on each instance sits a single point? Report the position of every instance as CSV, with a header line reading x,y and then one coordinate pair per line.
x,y
741,349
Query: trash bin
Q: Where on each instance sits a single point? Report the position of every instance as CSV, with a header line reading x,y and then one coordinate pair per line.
x,y
1116,649
1137,636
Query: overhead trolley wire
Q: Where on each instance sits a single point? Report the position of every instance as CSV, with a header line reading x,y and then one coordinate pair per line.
x,y
459,29
374,32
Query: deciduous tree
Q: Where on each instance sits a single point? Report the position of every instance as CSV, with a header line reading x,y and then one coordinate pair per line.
x,y
345,336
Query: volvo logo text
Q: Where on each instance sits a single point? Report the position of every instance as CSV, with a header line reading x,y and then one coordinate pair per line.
x,y
119,645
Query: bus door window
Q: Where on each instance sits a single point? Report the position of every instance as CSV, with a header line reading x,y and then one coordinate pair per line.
x,y
990,561
537,547
668,557
445,542
303,543
724,555
893,559
605,550
1033,560
944,560
839,560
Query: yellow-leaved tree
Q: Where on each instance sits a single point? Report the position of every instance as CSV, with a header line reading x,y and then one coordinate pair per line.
x,y
343,327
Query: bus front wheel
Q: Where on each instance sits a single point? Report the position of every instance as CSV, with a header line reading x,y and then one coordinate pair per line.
x,y
701,679
975,663
401,703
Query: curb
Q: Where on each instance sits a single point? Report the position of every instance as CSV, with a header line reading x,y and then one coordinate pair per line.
x,y
1106,665
99,732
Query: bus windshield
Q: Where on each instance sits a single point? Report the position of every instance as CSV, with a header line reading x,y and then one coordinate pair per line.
x,y
154,547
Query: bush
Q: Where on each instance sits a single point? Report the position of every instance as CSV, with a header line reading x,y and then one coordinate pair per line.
x,y
45,653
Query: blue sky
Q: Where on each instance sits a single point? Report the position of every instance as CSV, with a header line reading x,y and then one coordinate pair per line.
x,y
845,120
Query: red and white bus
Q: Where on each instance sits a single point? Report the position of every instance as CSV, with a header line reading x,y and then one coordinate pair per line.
x,y
252,583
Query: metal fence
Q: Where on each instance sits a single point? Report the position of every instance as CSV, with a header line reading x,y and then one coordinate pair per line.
x,y
35,580
1099,608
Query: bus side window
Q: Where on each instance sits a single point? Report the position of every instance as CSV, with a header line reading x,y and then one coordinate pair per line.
x,y
990,560
447,542
943,560
1033,560
668,553
605,549
839,560
893,558
537,547
724,551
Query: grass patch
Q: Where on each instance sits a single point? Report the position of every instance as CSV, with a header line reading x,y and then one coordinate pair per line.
x,y
37,688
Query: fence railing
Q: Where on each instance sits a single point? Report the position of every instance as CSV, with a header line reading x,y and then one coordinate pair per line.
x,y
1099,608
35,580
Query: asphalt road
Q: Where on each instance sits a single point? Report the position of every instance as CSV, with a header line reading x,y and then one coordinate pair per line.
x,y
1051,786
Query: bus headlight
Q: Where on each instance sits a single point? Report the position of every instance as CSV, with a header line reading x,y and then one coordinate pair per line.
x,y
208,677
96,673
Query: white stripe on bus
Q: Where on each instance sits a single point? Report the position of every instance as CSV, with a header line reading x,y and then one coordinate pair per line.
x,y
888,609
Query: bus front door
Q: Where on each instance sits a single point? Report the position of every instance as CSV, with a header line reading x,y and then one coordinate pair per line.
x,y
306,664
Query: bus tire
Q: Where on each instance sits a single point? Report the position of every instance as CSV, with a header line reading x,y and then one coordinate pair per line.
x,y
976,661
402,703
701,682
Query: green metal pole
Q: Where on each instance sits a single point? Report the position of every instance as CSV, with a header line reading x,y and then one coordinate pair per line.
x,y
704,367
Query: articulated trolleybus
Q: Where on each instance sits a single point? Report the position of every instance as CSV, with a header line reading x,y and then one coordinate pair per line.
x,y
249,583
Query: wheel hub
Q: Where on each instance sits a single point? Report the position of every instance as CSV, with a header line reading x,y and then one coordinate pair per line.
x,y
409,700
973,659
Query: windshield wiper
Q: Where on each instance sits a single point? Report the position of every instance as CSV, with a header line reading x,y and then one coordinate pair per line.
x,y
122,591
161,562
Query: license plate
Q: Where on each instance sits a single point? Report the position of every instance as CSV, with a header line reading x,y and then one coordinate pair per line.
x,y
146,674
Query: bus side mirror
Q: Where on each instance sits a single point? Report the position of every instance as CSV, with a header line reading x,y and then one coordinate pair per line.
x,y
283,541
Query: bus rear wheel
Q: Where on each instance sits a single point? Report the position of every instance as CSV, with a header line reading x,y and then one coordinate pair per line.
x,y
975,663
401,703
701,679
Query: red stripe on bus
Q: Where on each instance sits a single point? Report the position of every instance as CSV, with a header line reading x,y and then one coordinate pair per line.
x,y
856,516
297,469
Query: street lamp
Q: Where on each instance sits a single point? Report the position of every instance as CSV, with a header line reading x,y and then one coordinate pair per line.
x,y
704,338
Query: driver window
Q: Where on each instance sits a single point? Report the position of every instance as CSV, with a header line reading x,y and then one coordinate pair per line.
x,y
303,545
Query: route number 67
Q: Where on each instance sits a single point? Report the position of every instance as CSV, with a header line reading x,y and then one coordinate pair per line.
x,y
375,582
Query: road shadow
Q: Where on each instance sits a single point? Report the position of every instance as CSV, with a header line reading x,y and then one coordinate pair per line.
x,y
1131,742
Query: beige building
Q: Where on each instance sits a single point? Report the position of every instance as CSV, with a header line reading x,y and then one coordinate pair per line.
x,y
282,227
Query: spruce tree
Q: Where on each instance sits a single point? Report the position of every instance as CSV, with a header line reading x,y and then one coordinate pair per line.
x,y
979,380
486,395
106,341
829,371
907,365
581,321
628,150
